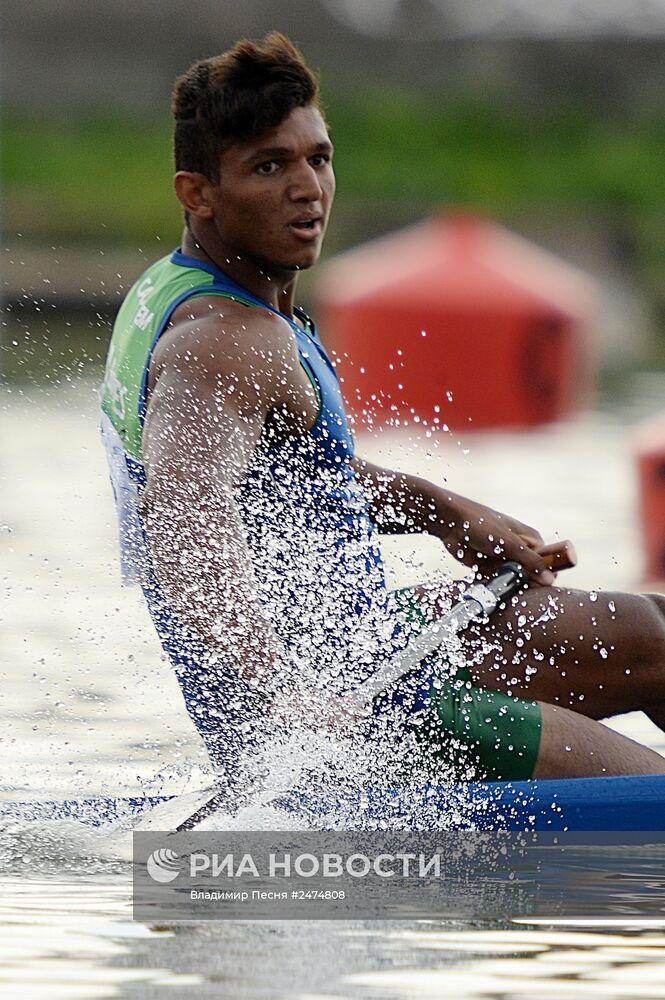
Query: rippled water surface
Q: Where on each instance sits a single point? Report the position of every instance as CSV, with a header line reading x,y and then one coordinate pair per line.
x,y
90,706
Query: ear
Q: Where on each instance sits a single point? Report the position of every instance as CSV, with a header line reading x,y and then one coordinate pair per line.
x,y
194,192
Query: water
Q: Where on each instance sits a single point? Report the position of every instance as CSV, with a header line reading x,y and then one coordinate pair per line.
x,y
89,706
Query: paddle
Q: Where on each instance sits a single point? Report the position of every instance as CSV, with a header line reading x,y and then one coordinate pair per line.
x,y
477,604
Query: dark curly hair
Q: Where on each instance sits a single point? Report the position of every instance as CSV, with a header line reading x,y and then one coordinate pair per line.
x,y
235,97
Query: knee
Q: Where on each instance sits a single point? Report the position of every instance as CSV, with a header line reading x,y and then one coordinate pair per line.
x,y
658,603
639,635
656,619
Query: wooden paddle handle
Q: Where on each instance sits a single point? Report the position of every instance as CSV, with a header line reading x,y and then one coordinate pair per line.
x,y
559,555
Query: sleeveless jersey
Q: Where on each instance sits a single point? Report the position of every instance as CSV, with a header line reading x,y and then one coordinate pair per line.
x,y
313,546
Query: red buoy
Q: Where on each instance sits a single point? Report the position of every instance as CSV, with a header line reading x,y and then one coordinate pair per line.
x,y
460,317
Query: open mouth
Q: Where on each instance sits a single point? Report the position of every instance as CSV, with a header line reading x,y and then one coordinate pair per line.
x,y
307,227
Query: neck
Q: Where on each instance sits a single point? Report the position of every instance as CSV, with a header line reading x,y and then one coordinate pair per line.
x,y
274,287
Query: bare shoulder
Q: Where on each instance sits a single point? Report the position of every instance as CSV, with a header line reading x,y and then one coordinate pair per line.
x,y
224,345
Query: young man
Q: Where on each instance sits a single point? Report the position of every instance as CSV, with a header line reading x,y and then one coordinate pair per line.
x,y
251,524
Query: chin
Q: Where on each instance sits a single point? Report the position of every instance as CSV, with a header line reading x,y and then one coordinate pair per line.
x,y
294,262
301,267
303,264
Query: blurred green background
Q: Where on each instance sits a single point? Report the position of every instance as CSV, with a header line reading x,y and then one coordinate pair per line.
x,y
73,176
561,137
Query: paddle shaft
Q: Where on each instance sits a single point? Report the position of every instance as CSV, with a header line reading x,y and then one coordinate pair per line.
x,y
477,604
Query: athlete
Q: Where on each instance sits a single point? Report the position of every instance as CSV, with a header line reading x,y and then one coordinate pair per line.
x,y
252,525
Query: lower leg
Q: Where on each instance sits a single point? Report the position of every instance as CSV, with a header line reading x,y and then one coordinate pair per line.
x,y
573,746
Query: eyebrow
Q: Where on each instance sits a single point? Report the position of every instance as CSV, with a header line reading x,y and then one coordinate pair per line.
x,y
272,152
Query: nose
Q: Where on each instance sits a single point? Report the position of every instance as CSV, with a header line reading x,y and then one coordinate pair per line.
x,y
305,183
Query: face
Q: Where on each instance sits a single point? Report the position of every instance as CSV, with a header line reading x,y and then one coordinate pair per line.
x,y
273,198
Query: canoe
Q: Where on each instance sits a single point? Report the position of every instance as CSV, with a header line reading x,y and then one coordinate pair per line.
x,y
576,804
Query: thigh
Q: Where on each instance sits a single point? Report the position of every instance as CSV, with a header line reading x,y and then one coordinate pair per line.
x,y
597,654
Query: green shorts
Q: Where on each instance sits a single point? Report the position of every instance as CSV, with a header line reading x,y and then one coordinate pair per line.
x,y
490,736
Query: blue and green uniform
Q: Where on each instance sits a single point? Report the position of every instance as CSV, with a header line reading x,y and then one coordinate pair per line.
x,y
313,545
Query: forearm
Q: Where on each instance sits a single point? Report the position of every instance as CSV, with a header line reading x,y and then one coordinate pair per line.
x,y
478,536
401,503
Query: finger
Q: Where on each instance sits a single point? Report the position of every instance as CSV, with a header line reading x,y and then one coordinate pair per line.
x,y
532,539
534,564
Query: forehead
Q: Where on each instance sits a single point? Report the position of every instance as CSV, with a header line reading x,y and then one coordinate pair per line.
x,y
302,130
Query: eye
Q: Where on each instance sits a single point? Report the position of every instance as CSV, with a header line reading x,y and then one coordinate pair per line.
x,y
320,159
267,168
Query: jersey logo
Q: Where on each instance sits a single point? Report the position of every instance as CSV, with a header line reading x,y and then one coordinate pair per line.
x,y
114,390
144,316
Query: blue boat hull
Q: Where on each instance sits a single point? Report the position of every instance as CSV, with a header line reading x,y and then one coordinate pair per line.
x,y
575,804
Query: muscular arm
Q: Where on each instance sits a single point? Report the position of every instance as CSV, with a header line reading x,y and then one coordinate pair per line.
x,y
206,412
473,533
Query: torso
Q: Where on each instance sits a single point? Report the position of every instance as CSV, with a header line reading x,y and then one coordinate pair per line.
x,y
314,550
